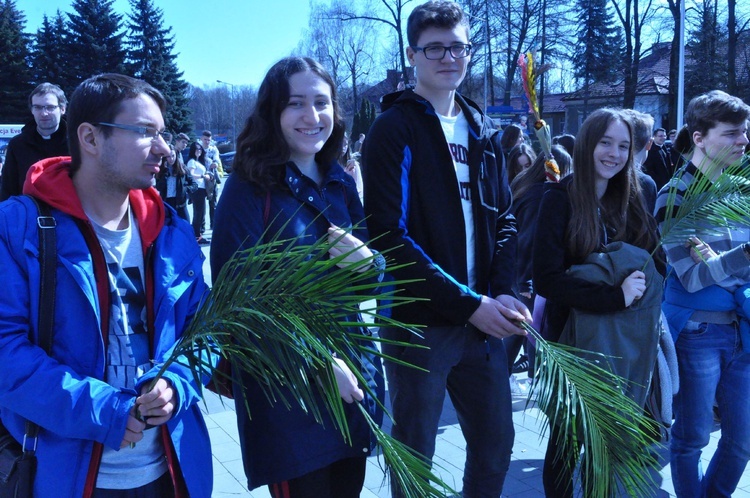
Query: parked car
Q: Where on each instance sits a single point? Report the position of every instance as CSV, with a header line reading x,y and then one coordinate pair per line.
x,y
226,161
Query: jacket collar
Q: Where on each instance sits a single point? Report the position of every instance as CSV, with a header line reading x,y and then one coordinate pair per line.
x,y
334,173
478,122
50,181
29,129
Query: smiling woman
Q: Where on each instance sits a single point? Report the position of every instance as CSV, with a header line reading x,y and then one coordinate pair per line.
x,y
597,215
287,181
307,120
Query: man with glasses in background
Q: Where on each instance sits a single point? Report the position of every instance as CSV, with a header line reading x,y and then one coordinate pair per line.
x,y
129,280
39,139
438,202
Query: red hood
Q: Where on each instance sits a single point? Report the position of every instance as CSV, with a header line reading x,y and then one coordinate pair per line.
x,y
50,181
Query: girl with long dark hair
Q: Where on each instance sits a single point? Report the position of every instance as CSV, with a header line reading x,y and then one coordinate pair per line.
x,y
520,157
172,183
597,216
196,166
286,178
512,136
527,190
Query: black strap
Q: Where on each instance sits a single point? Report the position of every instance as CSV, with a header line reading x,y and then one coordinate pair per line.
x,y
46,225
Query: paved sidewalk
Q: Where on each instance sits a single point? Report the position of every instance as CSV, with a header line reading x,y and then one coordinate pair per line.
x,y
524,479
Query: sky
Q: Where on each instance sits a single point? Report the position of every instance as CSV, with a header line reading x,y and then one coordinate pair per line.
x,y
235,41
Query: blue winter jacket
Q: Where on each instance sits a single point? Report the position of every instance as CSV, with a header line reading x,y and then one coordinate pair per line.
x,y
280,443
64,393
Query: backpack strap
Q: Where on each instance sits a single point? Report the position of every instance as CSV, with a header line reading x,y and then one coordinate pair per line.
x,y
46,228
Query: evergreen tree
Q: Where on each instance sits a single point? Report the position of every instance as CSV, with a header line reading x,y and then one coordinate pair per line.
x,y
96,35
49,56
599,49
15,76
707,47
151,57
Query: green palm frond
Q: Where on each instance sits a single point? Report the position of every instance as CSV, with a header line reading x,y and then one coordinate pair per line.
x,y
707,205
588,405
281,312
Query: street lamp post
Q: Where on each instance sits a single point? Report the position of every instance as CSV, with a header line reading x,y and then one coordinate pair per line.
x,y
234,122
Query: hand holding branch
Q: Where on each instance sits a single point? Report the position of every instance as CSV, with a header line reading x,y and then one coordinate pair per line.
x,y
499,317
347,244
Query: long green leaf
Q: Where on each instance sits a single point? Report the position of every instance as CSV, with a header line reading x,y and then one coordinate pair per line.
x,y
588,405
707,204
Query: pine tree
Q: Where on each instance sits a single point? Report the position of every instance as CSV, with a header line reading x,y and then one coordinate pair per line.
x,y
707,43
151,58
15,76
48,57
599,48
96,35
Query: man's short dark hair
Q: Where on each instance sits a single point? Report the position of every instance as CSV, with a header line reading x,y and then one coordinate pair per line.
x,y
440,14
183,136
206,133
657,130
99,100
45,88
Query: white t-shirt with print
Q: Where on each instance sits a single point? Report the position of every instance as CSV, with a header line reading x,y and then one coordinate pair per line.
x,y
456,130
128,355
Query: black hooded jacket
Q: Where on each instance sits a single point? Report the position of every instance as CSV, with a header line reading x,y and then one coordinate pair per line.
x,y
414,209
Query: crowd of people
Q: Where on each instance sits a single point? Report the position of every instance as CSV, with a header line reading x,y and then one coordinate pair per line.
x,y
474,232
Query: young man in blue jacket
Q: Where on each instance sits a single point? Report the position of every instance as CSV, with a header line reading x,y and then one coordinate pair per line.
x,y
129,279
437,199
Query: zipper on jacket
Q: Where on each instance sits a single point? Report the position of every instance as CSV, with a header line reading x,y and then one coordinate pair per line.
x,y
150,296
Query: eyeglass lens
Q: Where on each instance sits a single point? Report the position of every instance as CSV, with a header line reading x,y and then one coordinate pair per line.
x,y
46,108
438,52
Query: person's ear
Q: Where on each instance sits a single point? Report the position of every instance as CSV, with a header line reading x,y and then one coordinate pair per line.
x,y
88,138
698,139
411,54
62,109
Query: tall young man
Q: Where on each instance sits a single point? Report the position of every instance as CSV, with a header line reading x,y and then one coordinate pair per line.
x,y
41,138
129,279
437,197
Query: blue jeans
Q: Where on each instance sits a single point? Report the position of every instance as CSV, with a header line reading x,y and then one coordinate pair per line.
x,y
712,366
475,374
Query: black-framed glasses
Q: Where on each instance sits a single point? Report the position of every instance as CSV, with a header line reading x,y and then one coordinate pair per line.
x,y
45,108
145,131
437,52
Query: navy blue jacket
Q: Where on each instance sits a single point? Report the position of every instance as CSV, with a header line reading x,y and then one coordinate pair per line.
x,y
281,443
414,210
